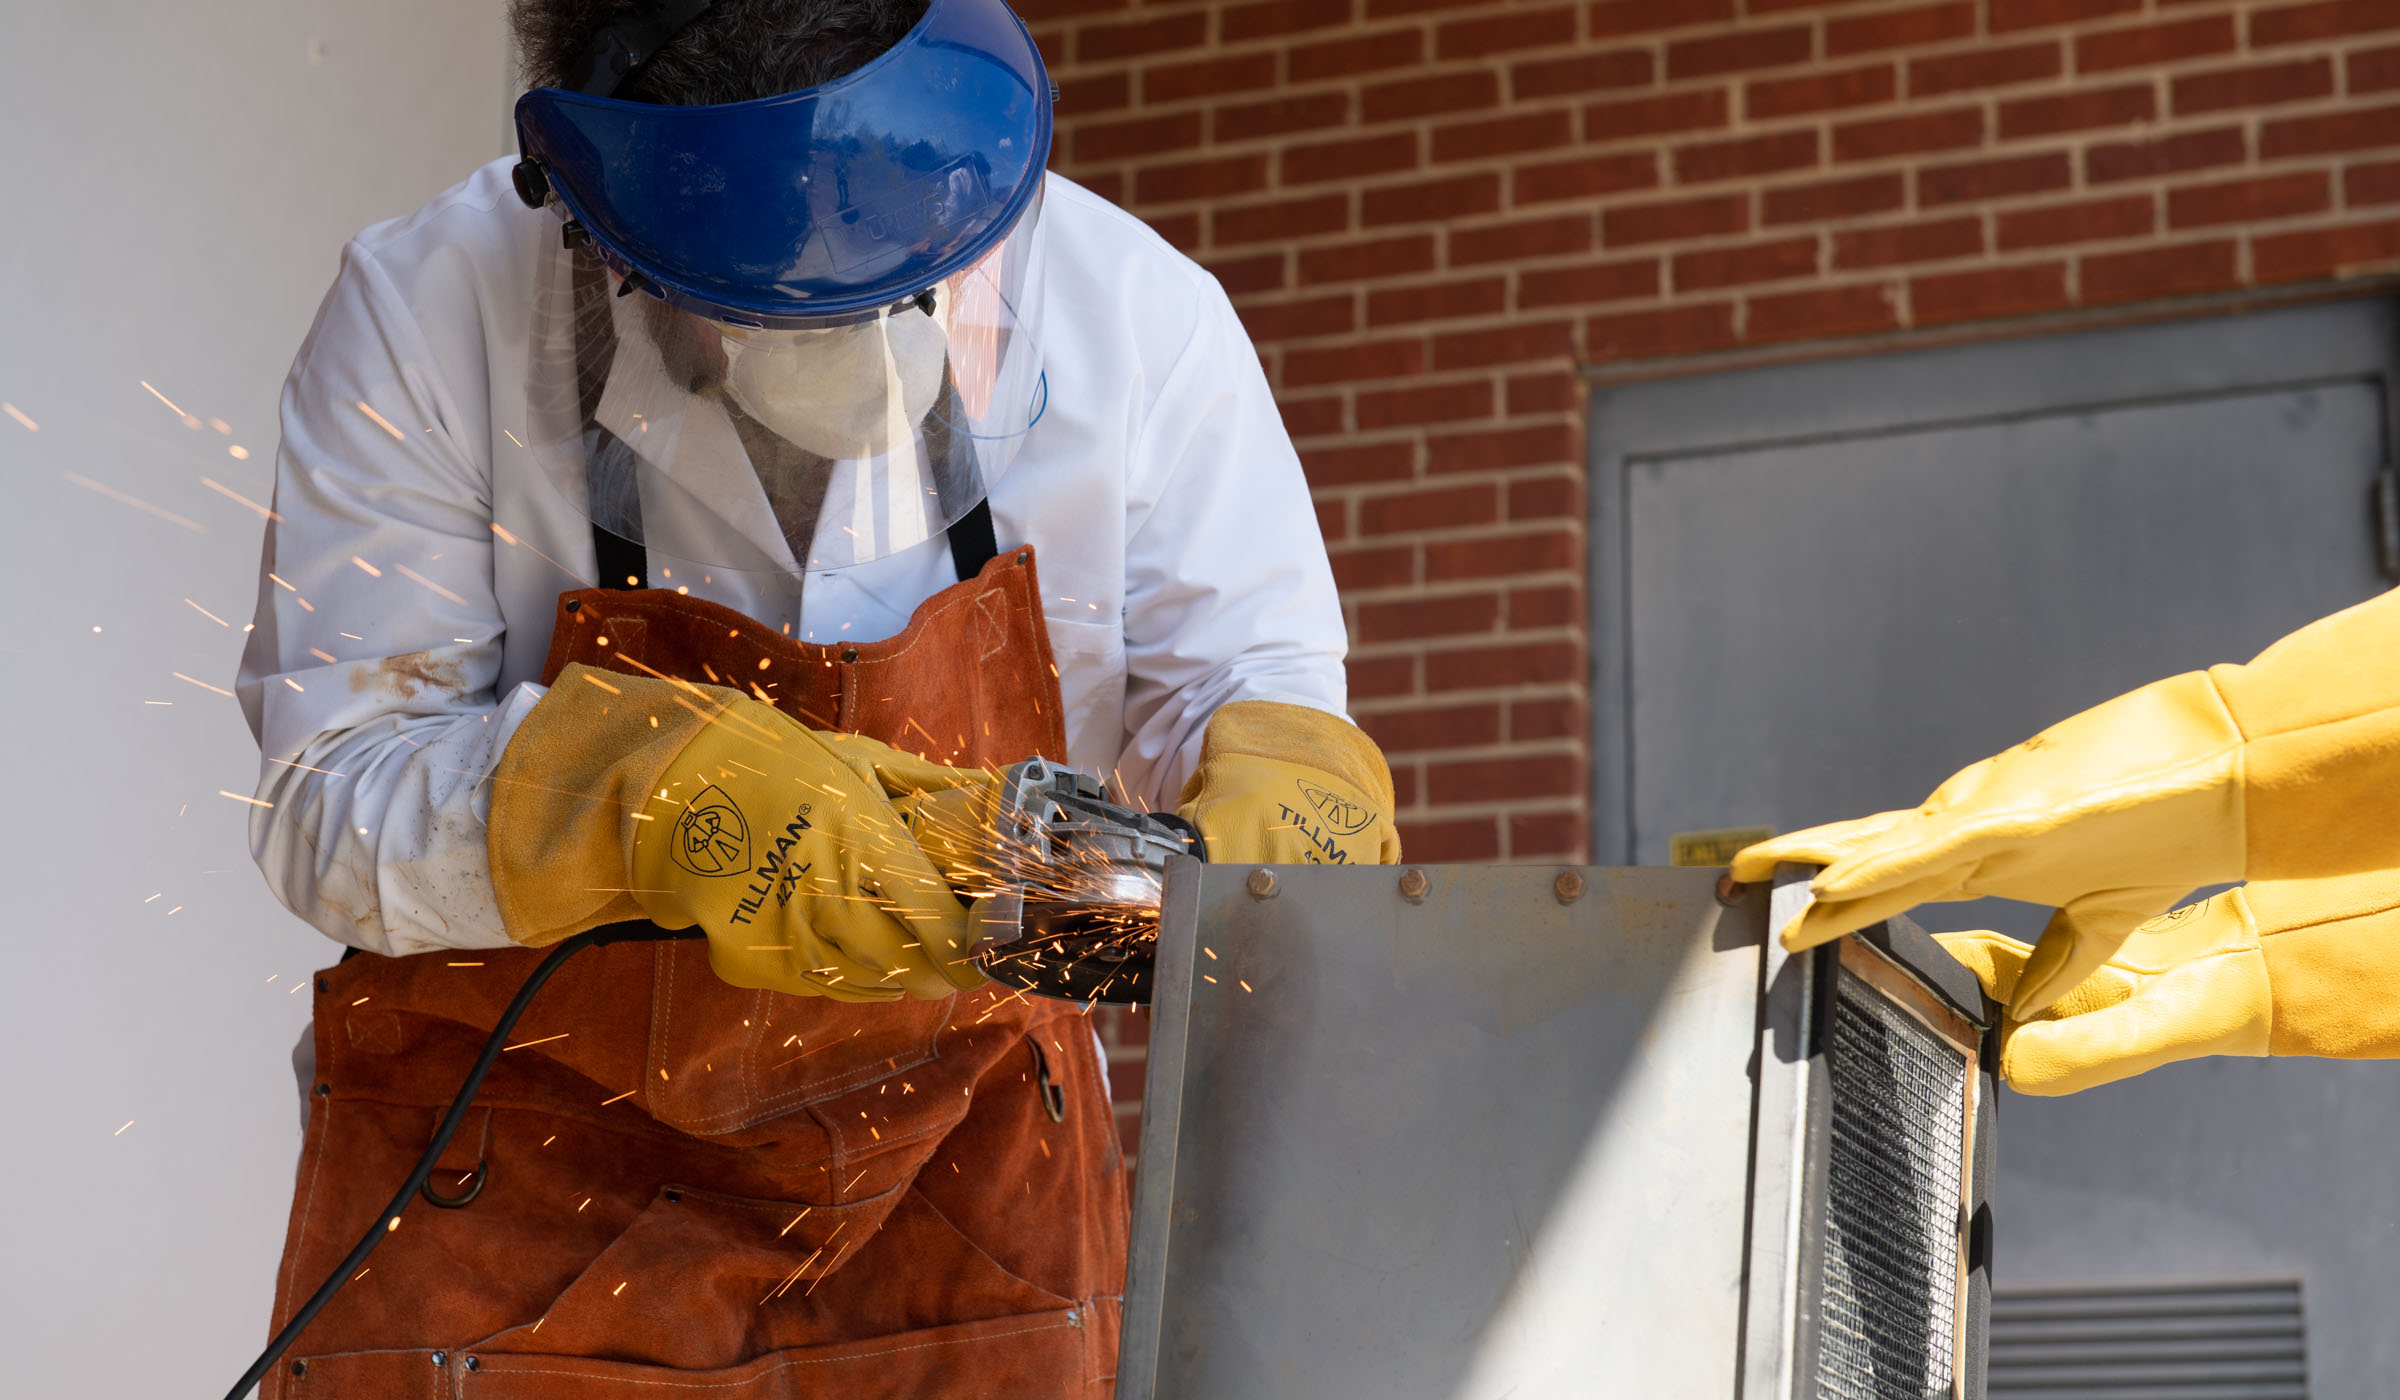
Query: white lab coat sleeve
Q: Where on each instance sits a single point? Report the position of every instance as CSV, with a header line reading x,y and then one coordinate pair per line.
x,y
370,672
1228,593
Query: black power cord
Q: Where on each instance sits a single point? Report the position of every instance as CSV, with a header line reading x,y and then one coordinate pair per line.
x,y
636,931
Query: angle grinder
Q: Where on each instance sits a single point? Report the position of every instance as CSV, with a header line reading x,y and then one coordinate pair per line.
x,y
1074,914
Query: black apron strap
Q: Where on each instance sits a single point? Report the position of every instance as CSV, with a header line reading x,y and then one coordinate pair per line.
x,y
623,564
972,543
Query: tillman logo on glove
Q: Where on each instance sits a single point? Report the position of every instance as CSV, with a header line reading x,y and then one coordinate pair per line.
x,y
1343,816
710,837
777,875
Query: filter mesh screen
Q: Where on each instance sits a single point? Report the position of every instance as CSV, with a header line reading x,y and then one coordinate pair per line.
x,y
1887,1309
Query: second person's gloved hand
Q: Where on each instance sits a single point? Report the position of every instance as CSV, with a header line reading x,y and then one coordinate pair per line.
x,y
2270,771
1287,785
2287,967
623,797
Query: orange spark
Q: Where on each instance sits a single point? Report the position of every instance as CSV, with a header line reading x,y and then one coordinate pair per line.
x,y
414,577
136,502
170,403
326,771
379,419
232,495
239,798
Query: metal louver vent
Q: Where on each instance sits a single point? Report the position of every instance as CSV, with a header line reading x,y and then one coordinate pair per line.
x,y
2177,1341
1888,1320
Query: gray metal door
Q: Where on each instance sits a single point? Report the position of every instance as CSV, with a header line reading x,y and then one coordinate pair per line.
x,y
1819,590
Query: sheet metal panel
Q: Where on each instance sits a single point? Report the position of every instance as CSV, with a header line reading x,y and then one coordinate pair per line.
x,y
1486,1144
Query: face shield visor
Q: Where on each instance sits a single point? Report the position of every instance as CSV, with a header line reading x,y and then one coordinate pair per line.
x,y
796,333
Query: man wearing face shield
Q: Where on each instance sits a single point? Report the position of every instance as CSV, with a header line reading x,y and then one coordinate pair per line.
x,y
656,538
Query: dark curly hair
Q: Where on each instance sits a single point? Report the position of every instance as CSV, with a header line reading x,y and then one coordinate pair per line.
x,y
741,50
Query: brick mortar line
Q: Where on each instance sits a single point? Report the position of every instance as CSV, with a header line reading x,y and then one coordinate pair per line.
x,y
1428,648
2166,122
2075,146
1656,44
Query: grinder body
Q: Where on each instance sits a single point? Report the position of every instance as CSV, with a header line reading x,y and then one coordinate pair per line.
x,y
1075,911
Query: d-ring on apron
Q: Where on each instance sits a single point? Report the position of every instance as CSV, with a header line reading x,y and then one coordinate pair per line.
x,y
675,1187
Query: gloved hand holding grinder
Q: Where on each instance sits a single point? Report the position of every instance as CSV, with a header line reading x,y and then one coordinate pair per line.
x,y
2280,772
831,864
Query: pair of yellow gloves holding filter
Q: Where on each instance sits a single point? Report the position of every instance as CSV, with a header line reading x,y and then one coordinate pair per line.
x,y
830,864
2284,773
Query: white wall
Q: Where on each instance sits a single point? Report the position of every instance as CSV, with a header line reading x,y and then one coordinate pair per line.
x,y
176,182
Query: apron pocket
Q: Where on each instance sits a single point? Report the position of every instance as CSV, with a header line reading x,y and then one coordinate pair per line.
x,y
701,1281
725,1058
1051,1355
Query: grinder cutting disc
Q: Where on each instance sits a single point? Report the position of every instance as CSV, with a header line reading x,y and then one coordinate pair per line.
x,y
1077,915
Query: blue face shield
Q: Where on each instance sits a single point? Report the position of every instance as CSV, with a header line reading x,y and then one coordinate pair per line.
x,y
836,200
834,358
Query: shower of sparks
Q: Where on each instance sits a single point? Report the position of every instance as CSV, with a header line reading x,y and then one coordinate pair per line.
x,y
202,684
19,414
380,421
136,502
238,498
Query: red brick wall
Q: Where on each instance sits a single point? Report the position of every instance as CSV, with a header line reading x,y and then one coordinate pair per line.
x,y
1433,214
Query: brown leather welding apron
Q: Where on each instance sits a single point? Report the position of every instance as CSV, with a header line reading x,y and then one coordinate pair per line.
x,y
679,1187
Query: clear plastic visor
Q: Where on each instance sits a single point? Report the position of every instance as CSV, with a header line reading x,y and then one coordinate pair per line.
x,y
785,450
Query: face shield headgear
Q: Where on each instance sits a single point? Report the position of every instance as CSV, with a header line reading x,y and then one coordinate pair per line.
x,y
794,332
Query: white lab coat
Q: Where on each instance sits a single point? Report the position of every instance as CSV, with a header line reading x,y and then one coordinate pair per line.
x,y
413,571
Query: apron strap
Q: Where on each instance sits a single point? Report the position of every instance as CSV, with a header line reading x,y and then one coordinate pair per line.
x,y
972,543
623,564
626,565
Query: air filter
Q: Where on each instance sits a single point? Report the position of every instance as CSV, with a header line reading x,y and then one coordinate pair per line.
x,y
1493,1133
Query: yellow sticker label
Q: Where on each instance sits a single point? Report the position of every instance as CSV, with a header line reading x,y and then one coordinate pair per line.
x,y
1713,847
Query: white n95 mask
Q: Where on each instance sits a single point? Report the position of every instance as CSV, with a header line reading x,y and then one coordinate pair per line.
x,y
845,393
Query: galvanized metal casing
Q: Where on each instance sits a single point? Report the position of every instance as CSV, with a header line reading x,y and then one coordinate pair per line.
x,y
1499,1132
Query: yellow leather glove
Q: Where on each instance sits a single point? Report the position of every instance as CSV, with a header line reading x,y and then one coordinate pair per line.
x,y
2284,967
2284,768
629,797
1287,785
